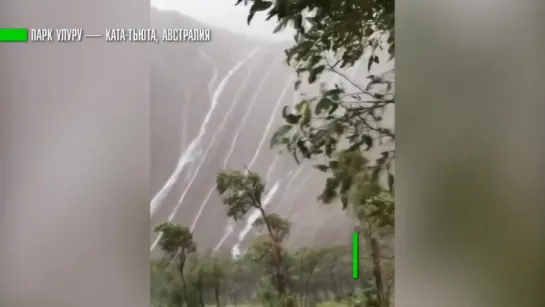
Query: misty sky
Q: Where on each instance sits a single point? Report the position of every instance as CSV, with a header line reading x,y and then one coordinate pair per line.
x,y
221,13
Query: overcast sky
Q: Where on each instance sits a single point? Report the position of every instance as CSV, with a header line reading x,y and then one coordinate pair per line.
x,y
221,13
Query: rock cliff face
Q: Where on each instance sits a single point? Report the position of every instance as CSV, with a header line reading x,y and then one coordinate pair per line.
x,y
215,105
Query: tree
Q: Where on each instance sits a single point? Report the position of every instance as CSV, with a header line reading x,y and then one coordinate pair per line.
x,y
330,36
176,241
341,125
316,275
165,284
243,191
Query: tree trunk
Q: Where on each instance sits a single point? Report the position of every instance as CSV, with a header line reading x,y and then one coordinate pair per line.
x,y
377,272
281,282
181,269
217,294
201,298
334,287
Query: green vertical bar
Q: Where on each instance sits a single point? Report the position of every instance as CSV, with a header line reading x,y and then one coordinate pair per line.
x,y
355,255
13,35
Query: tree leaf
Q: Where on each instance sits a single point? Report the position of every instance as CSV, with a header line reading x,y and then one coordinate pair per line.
x,y
344,201
334,108
258,6
324,104
368,140
250,17
279,134
369,63
322,167
314,73
334,92
297,84
293,119
279,27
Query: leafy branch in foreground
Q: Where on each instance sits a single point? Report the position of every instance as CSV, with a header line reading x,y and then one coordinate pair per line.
x,y
332,36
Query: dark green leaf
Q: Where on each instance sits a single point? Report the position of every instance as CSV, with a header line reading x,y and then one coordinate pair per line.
x,y
317,151
321,167
260,5
344,201
285,112
334,92
368,140
314,73
284,129
298,22
329,146
303,149
391,51
334,108
323,105
250,17
293,119
278,134
297,84
290,118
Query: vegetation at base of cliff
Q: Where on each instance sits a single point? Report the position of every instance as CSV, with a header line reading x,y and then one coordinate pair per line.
x,y
317,276
268,273
336,129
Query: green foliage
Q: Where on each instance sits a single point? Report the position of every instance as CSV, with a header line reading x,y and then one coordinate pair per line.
x,y
175,237
240,191
165,283
337,124
377,210
280,226
318,276
345,27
